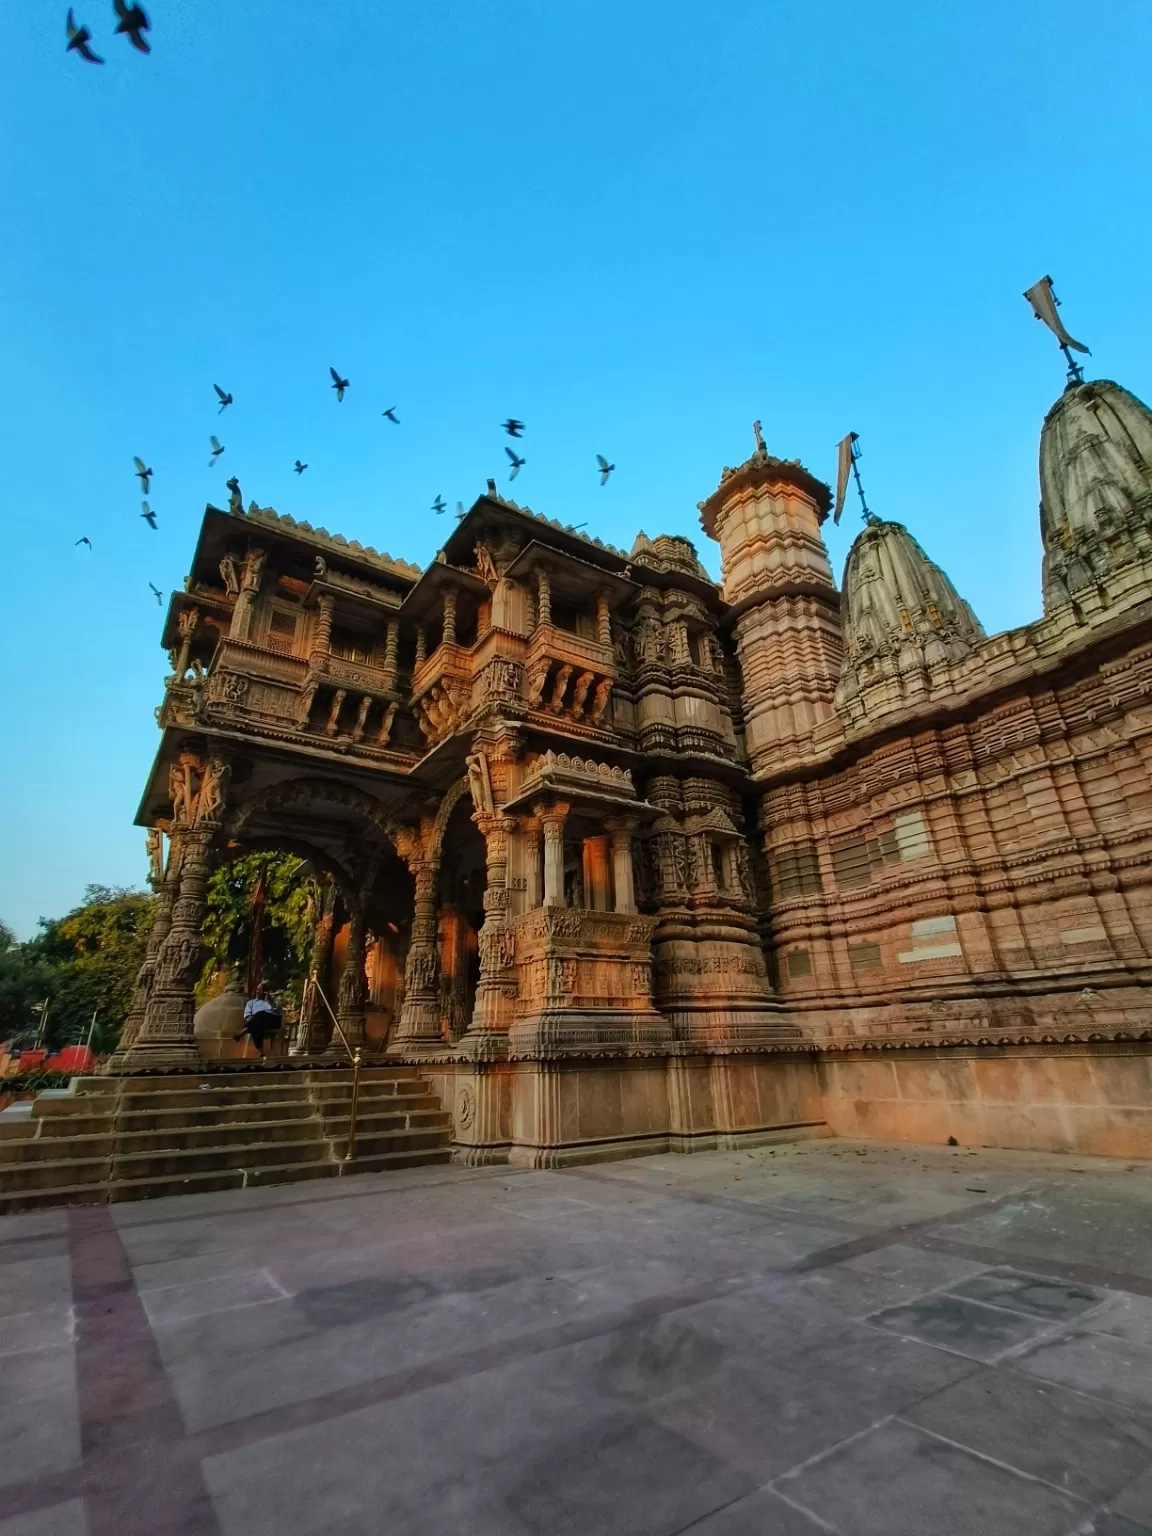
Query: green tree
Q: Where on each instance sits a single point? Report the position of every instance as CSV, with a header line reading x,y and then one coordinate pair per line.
x,y
91,957
25,981
287,928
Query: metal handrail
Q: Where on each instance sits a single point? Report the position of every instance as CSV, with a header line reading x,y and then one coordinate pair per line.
x,y
350,1151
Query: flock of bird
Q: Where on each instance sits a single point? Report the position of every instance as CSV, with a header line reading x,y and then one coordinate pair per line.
x,y
133,22
144,473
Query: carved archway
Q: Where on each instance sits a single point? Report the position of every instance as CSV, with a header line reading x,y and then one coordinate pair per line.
x,y
307,792
444,811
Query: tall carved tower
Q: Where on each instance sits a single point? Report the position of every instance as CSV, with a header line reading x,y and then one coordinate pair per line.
x,y
766,516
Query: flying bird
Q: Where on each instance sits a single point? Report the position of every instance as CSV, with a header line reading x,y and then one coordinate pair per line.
x,y
145,475
605,468
512,426
340,385
516,463
78,39
225,400
133,22
84,540
439,505
217,449
460,513
149,516
159,596
390,413
300,468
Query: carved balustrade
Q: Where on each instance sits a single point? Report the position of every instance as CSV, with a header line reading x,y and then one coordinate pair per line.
x,y
442,690
569,675
571,960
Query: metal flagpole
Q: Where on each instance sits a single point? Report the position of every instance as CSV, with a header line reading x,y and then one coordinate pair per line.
x,y
866,512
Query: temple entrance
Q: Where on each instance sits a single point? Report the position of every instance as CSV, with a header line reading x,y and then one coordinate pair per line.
x,y
460,916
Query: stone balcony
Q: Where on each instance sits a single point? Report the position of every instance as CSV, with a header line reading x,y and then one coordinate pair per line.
x,y
569,675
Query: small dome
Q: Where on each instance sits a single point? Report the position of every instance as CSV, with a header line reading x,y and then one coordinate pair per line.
x,y
904,624
1095,486
219,1020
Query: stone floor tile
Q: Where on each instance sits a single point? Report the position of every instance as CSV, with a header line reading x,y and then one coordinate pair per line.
x,y
1115,1369
767,1419
52,1327
897,1481
1033,1295
59,1520
1135,1501
505,1453
200,1298
35,1285
966,1327
1109,1524
914,1270
1084,1446
28,1224
39,1417
619,1477
762,1513
1059,1222
1124,1315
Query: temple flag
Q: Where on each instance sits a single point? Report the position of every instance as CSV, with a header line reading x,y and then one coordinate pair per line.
x,y
1043,302
843,470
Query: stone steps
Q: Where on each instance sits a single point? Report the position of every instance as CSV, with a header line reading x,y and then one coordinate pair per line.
x,y
132,1139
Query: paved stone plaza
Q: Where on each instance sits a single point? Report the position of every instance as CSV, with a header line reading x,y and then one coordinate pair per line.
x,y
827,1336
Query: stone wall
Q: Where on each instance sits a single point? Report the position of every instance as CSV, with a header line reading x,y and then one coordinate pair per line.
x,y
1090,1100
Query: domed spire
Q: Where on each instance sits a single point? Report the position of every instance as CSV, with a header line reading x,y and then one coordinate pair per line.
x,y
1095,489
904,624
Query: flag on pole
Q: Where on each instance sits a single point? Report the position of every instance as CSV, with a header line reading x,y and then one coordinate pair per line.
x,y
843,470
256,938
1043,302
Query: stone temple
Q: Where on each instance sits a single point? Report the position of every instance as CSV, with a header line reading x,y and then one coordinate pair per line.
x,y
623,860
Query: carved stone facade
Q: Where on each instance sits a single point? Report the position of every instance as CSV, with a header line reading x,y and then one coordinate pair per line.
x,y
599,831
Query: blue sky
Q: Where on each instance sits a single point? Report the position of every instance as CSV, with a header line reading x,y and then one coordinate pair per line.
x,y
637,226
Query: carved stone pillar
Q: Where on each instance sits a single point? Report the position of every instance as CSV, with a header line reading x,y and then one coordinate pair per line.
x,y
729,863
543,598
334,713
166,889
530,845
352,992
496,987
165,1037
603,620
419,1021
322,630
552,820
449,635
250,574
421,645
186,623
391,652
596,891
621,832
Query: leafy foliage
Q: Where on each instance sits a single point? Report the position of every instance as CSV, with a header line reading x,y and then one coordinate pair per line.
x,y
287,933
84,963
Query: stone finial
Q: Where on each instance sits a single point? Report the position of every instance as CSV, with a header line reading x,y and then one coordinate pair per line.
x,y
1095,488
904,624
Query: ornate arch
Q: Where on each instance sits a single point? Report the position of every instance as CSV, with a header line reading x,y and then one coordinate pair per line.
x,y
320,859
310,791
440,824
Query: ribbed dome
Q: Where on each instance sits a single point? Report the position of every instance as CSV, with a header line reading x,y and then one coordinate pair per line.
x,y
1095,486
904,624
